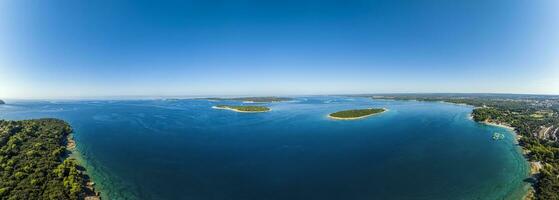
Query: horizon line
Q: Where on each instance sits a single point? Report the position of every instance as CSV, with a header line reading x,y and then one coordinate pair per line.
x,y
147,97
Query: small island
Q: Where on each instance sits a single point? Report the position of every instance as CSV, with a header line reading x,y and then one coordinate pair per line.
x,y
244,109
253,99
2,102
356,113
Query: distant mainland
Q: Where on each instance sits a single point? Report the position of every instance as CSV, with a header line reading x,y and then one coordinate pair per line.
x,y
245,109
356,113
253,99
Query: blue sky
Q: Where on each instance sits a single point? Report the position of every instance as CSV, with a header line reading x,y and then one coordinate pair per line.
x,y
80,49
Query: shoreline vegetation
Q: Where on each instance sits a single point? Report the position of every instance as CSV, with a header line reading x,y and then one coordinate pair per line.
x,y
356,113
533,119
535,166
92,193
35,162
243,109
252,99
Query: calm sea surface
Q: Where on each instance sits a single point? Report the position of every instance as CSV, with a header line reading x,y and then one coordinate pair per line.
x,y
184,149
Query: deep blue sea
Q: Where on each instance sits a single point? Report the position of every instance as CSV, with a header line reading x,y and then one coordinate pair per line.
x,y
184,149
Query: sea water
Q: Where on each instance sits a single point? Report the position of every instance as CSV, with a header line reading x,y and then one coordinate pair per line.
x,y
184,149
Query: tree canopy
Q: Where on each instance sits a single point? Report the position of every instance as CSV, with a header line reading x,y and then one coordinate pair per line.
x,y
33,163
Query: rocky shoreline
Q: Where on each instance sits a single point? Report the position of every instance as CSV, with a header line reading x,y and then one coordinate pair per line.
x,y
91,192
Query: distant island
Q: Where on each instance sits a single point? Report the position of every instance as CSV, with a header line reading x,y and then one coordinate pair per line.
x,y
35,165
253,99
356,113
246,109
2,102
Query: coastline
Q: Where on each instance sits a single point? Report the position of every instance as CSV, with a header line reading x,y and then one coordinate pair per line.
x,y
506,126
92,193
535,166
235,110
354,118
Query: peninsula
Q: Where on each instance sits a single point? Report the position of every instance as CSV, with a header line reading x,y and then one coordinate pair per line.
x,y
253,99
356,113
35,165
244,109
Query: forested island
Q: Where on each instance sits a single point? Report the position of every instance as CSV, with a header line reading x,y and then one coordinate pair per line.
x,y
248,109
253,99
2,102
356,113
535,118
34,162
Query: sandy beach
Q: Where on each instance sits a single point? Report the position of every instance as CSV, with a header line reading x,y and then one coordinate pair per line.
x,y
499,125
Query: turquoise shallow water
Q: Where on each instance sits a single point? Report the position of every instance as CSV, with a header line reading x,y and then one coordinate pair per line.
x,y
157,149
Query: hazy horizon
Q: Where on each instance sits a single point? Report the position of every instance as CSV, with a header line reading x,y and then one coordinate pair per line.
x,y
156,97
84,49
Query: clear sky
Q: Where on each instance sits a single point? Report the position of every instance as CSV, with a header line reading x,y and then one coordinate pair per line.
x,y
78,48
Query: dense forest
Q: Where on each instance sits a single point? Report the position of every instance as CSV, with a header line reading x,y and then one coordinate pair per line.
x,y
534,118
356,113
34,163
